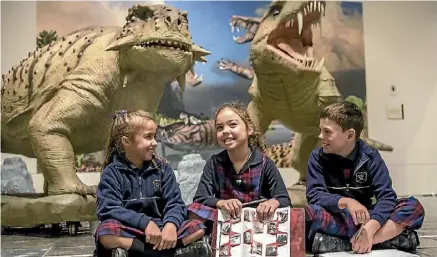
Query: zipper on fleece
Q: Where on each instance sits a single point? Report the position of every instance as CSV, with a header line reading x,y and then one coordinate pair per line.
x,y
141,188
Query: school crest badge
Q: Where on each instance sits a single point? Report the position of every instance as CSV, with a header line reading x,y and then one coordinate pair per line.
x,y
361,177
157,185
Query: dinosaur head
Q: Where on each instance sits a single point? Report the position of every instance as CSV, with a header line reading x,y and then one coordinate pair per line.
x,y
285,37
156,38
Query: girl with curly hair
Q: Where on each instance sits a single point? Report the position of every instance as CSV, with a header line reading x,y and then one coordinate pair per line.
x,y
240,174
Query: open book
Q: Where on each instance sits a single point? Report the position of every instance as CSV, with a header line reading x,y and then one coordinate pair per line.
x,y
247,236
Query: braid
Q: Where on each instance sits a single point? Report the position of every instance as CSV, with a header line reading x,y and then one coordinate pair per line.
x,y
110,147
125,123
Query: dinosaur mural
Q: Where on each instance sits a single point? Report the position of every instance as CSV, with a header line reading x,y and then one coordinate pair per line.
x,y
57,102
288,83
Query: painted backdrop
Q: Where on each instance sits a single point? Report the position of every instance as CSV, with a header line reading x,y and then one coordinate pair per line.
x,y
339,40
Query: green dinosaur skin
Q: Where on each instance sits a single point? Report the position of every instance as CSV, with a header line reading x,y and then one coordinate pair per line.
x,y
293,90
59,101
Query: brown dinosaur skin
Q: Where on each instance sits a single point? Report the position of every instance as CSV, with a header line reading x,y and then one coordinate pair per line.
x,y
59,101
291,89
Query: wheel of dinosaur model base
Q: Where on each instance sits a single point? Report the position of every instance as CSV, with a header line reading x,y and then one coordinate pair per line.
x,y
56,228
73,228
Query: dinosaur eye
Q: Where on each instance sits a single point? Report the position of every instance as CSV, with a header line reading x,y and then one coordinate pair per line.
x,y
275,10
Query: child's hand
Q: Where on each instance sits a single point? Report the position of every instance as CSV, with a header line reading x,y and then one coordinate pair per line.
x,y
359,213
153,234
266,209
363,244
169,237
233,206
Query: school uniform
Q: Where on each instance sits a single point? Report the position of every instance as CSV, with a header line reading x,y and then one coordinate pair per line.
x,y
128,198
258,179
362,176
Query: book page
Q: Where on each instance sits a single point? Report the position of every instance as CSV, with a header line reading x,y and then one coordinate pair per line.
x,y
373,253
248,236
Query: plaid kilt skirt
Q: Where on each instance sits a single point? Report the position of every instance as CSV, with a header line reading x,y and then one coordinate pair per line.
x,y
116,228
203,211
408,212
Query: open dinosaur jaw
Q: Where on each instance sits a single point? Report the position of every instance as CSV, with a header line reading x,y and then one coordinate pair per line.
x,y
292,39
166,44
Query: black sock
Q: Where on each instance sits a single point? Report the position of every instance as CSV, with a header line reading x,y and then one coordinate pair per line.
x,y
137,246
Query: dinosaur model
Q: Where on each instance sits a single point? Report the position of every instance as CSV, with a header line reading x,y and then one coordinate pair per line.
x,y
289,84
191,134
59,101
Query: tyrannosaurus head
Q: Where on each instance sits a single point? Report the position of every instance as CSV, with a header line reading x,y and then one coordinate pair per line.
x,y
156,38
285,37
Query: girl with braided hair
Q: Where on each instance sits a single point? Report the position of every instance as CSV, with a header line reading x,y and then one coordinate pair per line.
x,y
139,202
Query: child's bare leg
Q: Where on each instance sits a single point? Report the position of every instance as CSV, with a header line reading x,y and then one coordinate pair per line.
x,y
193,237
111,242
387,232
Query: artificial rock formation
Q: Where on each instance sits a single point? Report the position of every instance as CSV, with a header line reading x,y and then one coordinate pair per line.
x,y
16,179
189,171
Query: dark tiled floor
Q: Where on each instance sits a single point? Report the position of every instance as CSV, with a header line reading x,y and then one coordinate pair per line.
x,y
28,243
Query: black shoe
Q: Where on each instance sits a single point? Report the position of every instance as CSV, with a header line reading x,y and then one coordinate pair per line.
x,y
119,252
407,241
201,248
325,244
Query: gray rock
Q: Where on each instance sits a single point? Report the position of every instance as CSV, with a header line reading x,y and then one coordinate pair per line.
x,y
190,168
15,177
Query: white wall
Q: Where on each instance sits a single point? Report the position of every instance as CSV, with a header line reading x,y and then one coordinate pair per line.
x,y
400,49
18,34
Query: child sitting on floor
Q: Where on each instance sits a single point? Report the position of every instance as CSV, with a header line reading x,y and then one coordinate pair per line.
x,y
139,202
239,174
344,175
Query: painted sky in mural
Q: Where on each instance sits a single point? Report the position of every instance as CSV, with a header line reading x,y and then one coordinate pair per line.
x,y
340,40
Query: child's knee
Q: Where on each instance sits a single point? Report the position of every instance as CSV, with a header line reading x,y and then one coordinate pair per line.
x,y
112,241
193,216
313,210
417,206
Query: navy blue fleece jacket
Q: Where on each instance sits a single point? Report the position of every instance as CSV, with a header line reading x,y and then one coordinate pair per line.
x,y
361,176
136,196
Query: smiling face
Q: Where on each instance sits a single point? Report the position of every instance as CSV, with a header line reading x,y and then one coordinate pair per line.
x,y
334,139
232,131
141,146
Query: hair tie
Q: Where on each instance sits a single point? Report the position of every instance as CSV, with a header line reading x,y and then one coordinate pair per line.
x,y
119,113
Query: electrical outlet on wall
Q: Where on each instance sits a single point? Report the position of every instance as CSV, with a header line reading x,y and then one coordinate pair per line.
x,y
395,111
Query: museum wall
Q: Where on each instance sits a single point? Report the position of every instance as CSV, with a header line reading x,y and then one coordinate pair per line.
x,y
398,50
400,40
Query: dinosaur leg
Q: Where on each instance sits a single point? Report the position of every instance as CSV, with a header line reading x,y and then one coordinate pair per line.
x,y
303,145
261,118
50,130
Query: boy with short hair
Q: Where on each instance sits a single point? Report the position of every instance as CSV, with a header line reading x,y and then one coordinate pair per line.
x,y
344,175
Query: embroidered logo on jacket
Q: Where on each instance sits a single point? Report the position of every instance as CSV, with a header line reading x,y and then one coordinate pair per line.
x,y
361,177
157,185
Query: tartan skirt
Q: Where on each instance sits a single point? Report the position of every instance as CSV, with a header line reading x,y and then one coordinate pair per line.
x,y
408,212
116,228
203,211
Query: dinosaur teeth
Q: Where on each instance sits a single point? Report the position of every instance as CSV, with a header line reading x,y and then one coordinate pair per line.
x,y
320,65
310,52
300,22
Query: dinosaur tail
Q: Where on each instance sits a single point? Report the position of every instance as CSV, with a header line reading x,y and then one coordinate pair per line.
x,y
378,145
